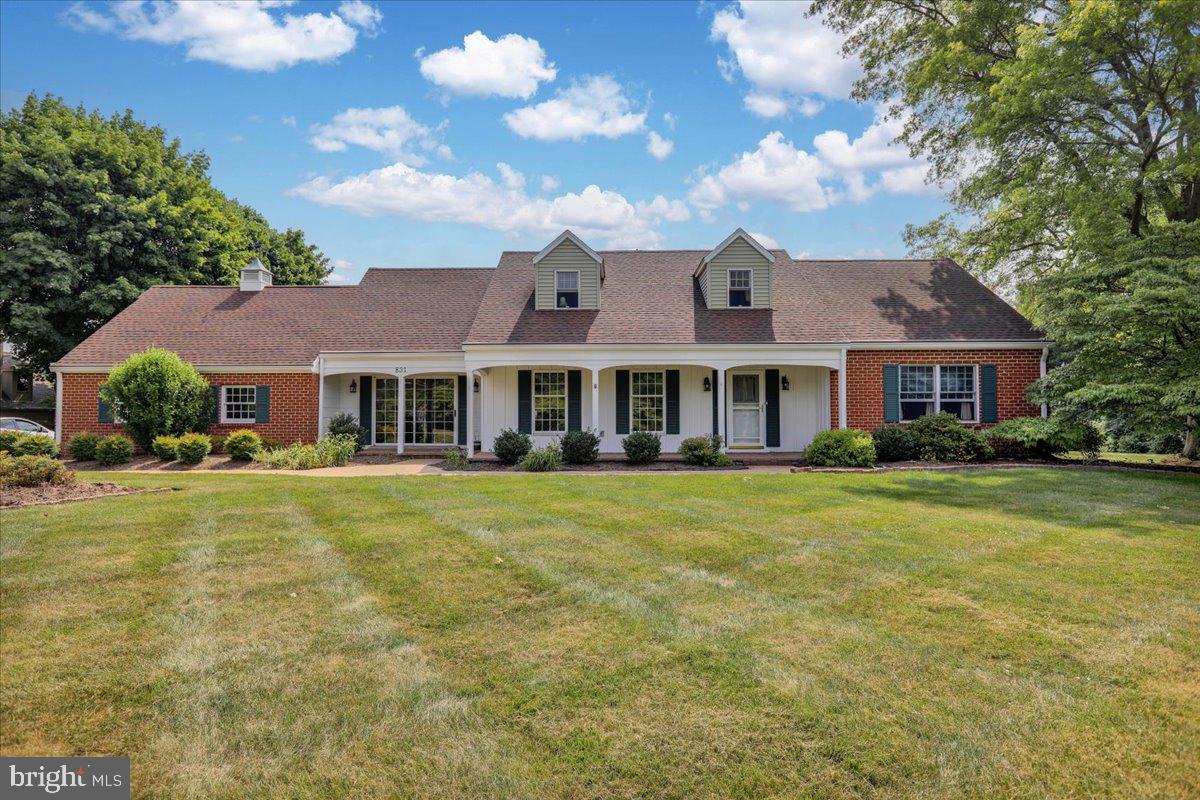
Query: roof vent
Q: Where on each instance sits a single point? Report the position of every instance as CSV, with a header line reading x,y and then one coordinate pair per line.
x,y
255,277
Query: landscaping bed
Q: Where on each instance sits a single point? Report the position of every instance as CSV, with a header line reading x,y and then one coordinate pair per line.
x,y
601,466
19,496
145,463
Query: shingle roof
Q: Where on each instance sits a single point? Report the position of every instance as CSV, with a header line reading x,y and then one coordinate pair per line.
x,y
651,296
648,296
390,310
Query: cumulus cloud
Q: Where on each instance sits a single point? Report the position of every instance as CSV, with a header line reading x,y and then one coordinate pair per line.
x,y
511,66
596,106
659,147
247,35
289,120
776,171
550,183
503,205
788,58
391,131
764,240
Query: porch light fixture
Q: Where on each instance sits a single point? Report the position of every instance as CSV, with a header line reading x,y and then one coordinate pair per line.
x,y
785,383
475,385
353,386
707,384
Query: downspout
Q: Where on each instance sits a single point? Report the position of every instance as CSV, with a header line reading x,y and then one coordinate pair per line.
x,y
842,390
58,401
320,368
1045,358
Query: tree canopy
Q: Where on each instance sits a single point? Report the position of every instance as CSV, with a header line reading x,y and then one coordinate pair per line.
x,y
94,210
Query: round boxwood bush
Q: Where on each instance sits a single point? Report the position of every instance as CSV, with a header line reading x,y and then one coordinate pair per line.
x,y
82,446
580,447
193,447
346,424
157,393
166,447
243,444
33,470
941,437
641,447
843,447
19,443
511,446
113,450
543,459
703,451
894,443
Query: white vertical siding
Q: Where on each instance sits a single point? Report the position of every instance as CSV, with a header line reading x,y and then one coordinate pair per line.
x,y
738,255
568,256
498,401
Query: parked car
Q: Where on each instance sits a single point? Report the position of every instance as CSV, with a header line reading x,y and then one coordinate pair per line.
x,y
24,426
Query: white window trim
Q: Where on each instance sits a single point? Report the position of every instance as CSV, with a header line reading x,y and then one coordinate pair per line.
x,y
533,395
662,372
578,289
937,390
729,287
224,414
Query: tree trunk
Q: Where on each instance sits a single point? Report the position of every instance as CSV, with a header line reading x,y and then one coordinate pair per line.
x,y
1191,439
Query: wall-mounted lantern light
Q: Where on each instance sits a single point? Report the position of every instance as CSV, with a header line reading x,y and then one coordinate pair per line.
x,y
475,385
785,383
353,386
708,384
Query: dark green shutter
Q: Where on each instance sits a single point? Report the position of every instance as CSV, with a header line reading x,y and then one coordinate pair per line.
x,y
987,393
365,405
574,400
262,404
772,395
525,401
891,392
103,411
716,429
462,410
672,410
622,402
215,393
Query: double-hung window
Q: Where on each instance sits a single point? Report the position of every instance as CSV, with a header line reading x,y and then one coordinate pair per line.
x,y
739,288
549,402
238,404
566,289
928,389
647,402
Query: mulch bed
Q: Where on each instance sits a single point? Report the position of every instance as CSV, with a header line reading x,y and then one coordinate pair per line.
x,y
21,496
902,466
601,466
152,464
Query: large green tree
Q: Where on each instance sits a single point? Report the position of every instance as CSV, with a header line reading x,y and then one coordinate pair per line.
x,y
1062,126
95,209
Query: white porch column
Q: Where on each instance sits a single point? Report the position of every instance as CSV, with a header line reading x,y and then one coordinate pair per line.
x,y
470,413
320,393
720,390
842,390
596,401
401,390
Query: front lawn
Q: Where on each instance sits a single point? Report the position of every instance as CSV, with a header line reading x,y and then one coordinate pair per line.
x,y
1030,632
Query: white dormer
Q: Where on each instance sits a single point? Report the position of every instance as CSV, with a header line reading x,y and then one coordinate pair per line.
x,y
255,277
736,273
567,275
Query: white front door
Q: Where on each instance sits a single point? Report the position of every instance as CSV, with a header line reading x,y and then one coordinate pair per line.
x,y
747,409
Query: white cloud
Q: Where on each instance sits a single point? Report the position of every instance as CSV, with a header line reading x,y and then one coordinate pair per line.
x,y
776,171
511,66
875,150
477,199
244,35
391,131
361,14
597,106
512,178
659,147
550,183
338,276
670,119
787,57
289,120
764,240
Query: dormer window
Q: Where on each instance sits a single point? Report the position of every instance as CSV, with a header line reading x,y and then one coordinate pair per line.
x,y
739,288
566,288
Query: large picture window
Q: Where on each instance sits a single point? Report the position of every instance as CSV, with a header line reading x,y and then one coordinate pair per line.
x,y
739,288
566,289
646,402
238,404
549,402
928,389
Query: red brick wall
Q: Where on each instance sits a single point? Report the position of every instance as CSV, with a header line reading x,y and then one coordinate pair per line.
x,y
293,404
1015,370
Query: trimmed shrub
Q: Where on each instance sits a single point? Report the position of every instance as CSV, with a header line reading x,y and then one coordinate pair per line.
x,y
346,424
941,437
641,447
542,459
330,451
20,443
511,446
1035,437
456,459
113,450
33,470
704,451
271,444
843,447
218,443
193,447
242,445
580,447
82,446
157,393
166,447
894,443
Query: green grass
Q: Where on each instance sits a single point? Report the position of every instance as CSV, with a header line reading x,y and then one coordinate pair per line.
x,y
1020,633
1128,458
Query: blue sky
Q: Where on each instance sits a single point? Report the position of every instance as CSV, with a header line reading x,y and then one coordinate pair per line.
x,y
379,128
